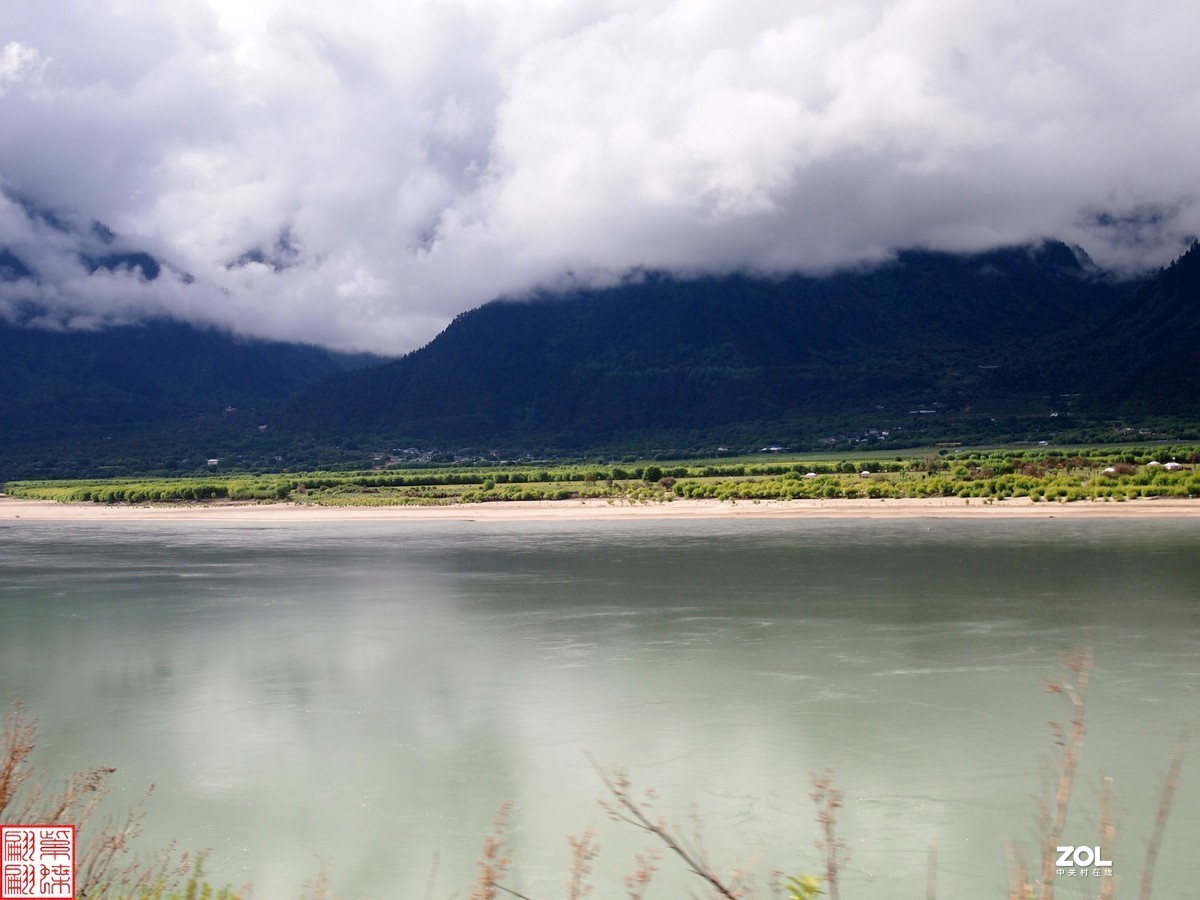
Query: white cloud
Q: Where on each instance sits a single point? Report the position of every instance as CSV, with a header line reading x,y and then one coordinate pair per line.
x,y
423,157
18,64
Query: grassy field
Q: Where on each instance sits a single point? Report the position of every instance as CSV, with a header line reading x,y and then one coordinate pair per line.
x,y
1114,473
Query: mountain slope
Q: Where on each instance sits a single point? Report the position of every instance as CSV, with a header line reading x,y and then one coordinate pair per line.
x,y
161,397
931,346
1153,346
142,373
977,333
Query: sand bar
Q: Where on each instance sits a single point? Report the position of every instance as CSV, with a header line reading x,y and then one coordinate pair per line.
x,y
580,510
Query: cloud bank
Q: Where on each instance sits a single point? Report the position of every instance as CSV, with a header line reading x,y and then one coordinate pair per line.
x,y
356,174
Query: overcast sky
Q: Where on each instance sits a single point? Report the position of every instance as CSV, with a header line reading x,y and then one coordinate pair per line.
x,y
394,163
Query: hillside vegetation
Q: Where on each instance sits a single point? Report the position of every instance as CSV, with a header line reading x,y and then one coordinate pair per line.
x,y
1018,344
1111,473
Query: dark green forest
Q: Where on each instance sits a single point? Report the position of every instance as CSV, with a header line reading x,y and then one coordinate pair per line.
x,y
1015,344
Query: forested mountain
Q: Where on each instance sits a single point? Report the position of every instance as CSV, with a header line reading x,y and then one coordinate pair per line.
x,y
1010,344
155,393
1151,347
143,373
967,338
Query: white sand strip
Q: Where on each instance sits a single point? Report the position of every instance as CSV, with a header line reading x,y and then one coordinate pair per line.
x,y
547,510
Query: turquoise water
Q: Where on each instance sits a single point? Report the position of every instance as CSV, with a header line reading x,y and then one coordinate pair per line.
x,y
363,697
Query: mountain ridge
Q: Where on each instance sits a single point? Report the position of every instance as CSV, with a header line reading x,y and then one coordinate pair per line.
x,y
1014,343
664,354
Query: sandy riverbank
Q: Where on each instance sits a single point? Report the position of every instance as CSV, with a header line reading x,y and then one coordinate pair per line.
x,y
941,507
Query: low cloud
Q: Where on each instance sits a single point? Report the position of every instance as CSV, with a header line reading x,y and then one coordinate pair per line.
x,y
358,175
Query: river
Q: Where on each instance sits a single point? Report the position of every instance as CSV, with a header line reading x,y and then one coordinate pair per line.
x,y
361,698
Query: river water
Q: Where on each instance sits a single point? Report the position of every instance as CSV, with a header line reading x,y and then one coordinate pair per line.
x,y
362,698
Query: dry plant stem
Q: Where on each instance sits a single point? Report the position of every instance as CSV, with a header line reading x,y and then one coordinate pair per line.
x,y
318,888
433,871
511,892
632,812
638,881
828,800
494,861
1080,663
103,866
1107,833
1160,819
97,862
100,871
20,737
1019,885
583,850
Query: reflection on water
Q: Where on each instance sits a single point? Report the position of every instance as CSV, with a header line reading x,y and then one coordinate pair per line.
x,y
365,696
